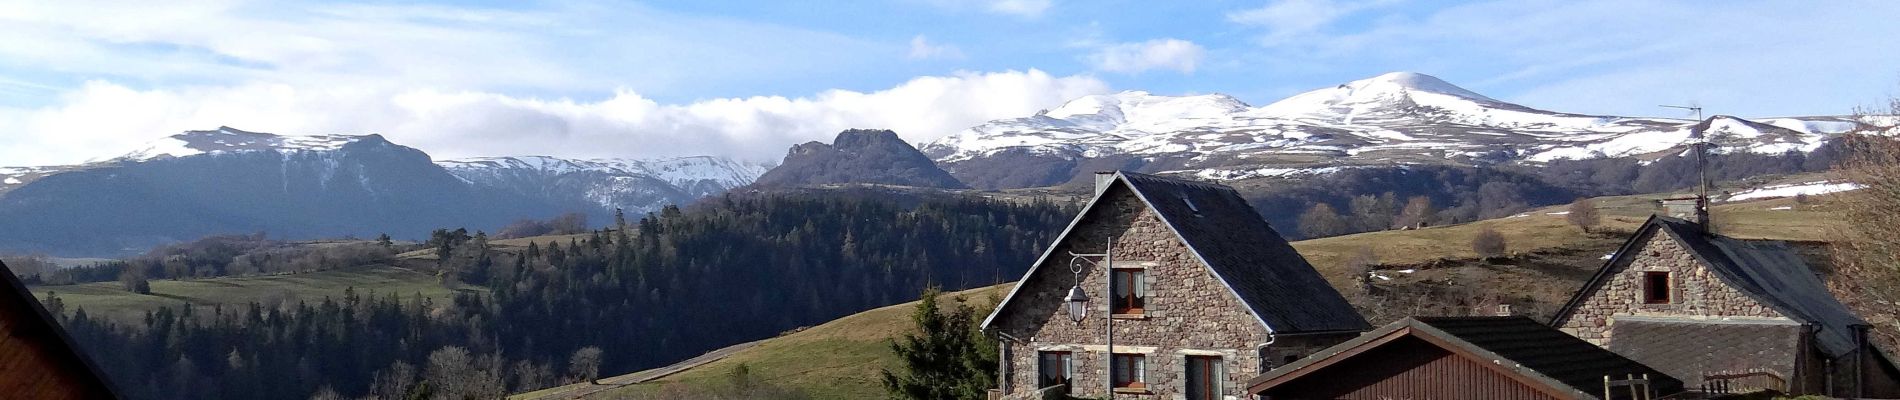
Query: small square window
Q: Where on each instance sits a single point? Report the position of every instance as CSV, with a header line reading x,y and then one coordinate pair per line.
x,y
1057,368
1131,371
1204,378
1656,287
1131,292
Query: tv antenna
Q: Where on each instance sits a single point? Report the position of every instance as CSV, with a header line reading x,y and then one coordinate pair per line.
x,y
1697,108
1701,146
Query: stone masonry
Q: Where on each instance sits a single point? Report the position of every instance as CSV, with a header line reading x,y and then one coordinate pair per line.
x,y
1188,311
1695,292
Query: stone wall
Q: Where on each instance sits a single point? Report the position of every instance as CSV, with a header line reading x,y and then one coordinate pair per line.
x,y
1695,291
1188,311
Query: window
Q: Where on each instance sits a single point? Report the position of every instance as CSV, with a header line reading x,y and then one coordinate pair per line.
x,y
1204,377
1131,371
1057,368
1656,287
1130,292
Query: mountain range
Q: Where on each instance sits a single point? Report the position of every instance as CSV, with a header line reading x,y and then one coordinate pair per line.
x,y
227,180
233,181
1399,118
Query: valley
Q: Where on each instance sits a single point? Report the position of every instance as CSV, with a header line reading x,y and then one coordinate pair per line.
x,y
1384,185
841,358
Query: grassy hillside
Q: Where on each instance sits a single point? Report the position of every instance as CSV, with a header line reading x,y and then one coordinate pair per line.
x,y
108,299
837,360
841,359
503,245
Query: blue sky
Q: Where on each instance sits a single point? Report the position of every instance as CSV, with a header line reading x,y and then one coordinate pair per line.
x,y
81,80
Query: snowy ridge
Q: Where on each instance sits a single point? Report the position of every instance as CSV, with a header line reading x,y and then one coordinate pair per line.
x,y
1395,118
229,140
631,184
682,171
636,185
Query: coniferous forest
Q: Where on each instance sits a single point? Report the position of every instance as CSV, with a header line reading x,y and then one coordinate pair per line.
x,y
641,293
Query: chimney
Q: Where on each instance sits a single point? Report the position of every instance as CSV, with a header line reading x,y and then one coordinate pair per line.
x,y
1102,179
1693,209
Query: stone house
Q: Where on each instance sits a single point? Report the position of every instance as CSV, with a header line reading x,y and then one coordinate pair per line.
x,y
1206,295
1714,310
1493,358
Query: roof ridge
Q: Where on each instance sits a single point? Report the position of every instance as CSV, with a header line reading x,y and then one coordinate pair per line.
x,y
1178,181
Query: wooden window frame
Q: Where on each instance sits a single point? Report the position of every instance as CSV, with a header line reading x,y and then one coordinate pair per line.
x,y
1657,295
1211,367
1134,365
1136,303
1067,359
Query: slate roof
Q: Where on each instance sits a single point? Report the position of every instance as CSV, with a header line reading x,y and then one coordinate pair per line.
x,y
1771,272
1246,253
1242,250
1516,343
1690,349
1547,351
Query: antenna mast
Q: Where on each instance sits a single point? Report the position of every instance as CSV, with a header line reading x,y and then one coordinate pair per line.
x,y
1701,146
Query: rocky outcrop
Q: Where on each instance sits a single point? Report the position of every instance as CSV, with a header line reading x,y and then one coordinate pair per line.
x,y
859,156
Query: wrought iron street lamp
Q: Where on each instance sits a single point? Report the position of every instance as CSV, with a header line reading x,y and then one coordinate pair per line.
x,y
1078,306
1078,302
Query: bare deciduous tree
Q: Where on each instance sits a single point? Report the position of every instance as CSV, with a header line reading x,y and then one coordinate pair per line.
x,y
133,280
1361,264
1417,212
1583,214
586,364
1489,243
1322,221
1868,256
395,382
454,374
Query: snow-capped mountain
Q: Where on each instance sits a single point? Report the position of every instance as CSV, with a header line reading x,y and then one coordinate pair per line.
x,y
226,140
227,181
1395,118
630,184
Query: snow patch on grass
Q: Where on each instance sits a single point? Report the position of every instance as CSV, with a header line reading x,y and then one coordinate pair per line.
x,y
1792,190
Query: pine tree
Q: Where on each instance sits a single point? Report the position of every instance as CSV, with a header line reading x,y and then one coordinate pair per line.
x,y
946,357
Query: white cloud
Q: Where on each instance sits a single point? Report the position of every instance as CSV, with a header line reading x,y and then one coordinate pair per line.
x,y
1169,54
922,49
104,119
1025,8
559,47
